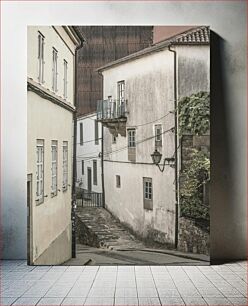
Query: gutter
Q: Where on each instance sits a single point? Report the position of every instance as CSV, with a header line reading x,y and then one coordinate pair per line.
x,y
102,154
176,146
74,165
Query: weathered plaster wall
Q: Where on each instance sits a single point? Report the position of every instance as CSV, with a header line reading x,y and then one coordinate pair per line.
x,y
89,150
66,50
149,94
53,216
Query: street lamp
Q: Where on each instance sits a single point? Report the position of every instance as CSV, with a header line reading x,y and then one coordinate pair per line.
x,y
156,158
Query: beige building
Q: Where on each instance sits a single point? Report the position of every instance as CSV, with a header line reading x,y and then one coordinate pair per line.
x,y
50,107
140,93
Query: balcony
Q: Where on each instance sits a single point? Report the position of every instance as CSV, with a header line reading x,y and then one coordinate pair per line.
x,y
113,115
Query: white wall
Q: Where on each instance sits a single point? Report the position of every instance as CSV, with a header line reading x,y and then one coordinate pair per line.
x,y
88,151
149,94
229,175
65,52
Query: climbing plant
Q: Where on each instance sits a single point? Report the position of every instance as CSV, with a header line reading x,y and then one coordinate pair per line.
x,y
193,177
194,114
194,119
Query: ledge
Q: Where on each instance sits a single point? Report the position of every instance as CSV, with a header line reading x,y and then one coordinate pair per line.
x,y
48,95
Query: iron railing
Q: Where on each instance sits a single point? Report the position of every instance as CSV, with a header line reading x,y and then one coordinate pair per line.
x,y
89,199
111,109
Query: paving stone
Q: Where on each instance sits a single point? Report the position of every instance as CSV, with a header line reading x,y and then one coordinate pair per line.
x,y
166,301
126,292
239,301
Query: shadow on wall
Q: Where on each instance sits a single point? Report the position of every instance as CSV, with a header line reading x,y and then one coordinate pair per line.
x,y
224,229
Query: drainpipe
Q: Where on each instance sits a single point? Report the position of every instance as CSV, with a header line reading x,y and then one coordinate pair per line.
x,y
102,154
74,162
176,145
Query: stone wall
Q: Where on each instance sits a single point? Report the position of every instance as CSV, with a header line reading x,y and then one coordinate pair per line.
x,y
192,238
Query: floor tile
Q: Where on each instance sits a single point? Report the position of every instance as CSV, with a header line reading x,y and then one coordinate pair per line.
x,y
194,301
126,292
7,301
217,301
50,301
73,301
147,292
99,301
166,301
121,301
149,301
239,301
27,301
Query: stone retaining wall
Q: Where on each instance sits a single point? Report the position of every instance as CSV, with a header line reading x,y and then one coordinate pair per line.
x,y
192,238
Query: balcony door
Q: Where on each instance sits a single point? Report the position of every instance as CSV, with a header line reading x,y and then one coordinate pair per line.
x,y
120,97
89,179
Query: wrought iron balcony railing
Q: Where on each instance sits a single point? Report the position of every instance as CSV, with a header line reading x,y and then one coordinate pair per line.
x,y
111,109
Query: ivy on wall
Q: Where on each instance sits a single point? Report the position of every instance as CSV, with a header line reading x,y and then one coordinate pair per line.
x,y
194,114
194,119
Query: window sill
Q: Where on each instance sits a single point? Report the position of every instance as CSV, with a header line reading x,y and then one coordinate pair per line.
x,y
39,201
53,194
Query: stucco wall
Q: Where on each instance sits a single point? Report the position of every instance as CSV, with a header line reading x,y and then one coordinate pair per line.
x,y
53,216
66,50
149,95
89,150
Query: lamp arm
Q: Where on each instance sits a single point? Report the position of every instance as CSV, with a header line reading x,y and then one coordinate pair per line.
x,y
162,169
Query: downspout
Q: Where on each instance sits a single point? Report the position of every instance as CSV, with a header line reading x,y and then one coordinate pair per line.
x,y
176,145
74,165
102,154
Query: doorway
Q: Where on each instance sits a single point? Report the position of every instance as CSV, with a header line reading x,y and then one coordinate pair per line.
x,y
89,179
29,221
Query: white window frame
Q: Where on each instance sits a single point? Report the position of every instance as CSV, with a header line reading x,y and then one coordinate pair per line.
x,y
131,138
148,193
81,133
118,181
96,132
41,62
65,166
65,79
55,70
95,172
40,171
158,136
54,167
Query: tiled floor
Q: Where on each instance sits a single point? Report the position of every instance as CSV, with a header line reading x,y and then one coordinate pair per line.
x,y
131,285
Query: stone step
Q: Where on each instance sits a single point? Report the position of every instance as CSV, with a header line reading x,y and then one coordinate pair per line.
x,y
98,228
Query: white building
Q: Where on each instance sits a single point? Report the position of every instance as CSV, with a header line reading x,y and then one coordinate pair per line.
x,y
138,114
89,170
50,101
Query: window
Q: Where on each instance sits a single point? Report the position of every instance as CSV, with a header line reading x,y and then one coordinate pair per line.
x,y
81,134
40,171
65,78
94,172
54,167
131,138
41,61
65,165
147,193
121,90
131,145
55,70
158,135
82,164
96,133
118,181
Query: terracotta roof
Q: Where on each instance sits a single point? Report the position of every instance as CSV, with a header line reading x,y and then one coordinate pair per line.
x,y
194,36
